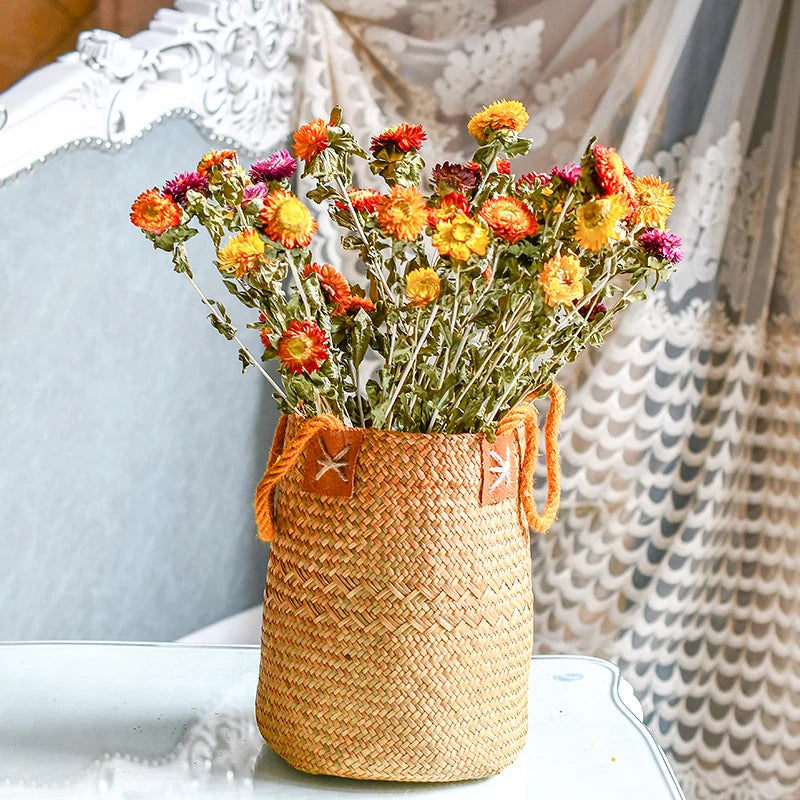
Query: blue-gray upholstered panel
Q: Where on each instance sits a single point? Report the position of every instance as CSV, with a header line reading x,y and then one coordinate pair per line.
x,y
131,443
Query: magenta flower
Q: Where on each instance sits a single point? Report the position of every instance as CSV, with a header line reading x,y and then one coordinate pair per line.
x,y
569,173
253,192
534,179
180,185
274,168
661,244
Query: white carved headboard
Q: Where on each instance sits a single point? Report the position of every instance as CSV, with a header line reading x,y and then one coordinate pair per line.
x,y
131,442
224,64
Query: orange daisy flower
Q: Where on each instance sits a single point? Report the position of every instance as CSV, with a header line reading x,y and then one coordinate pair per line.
x,y
613,174
287,220
243,253
362,200
311,139
153,212
357,302
500,115
334,285
213,158
403,137
403,213
449,206
303,347
562,279
509,218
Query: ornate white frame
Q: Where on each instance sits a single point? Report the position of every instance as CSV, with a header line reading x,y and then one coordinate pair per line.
x,y
226,65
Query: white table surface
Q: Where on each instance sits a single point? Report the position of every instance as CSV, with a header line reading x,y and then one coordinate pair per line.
x,y
86,720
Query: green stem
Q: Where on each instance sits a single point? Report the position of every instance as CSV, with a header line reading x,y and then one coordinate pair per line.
x,y
300,289
493,352
372,262
558,363
411,362
249,355
354,371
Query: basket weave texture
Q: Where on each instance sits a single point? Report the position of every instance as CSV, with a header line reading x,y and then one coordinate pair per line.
x,y
398,623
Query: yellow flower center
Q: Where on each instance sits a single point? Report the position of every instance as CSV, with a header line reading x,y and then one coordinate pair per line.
x,y
401,209
292,215
565,277
298,346
595,213
648,197
462,231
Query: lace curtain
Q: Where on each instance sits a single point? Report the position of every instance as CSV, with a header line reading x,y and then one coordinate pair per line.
x,y
677,554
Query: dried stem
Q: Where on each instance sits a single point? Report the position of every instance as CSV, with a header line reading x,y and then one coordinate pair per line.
x,y
238,341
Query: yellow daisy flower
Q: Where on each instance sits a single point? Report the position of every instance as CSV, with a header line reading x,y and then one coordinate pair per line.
x,y
561,279
597,222
654,199
500,115
243,253
423,286
460,237
403,213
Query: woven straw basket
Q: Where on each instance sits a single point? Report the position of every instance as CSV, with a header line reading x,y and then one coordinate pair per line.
x,y
398,621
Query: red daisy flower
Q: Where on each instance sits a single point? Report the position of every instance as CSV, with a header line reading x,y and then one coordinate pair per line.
x,y
403,137
362,200
613,174
450,205
303,347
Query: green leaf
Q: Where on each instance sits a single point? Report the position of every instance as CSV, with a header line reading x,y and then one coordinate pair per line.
x,y
245,360
321,193
360,336
225,328
180,260
171,237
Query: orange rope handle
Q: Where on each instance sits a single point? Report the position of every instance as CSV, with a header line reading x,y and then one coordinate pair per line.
x,y
281,460
525,414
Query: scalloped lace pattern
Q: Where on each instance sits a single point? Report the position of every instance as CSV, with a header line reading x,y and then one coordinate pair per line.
x,y
677,553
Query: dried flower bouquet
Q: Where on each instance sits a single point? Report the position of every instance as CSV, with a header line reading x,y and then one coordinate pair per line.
x,y
478,290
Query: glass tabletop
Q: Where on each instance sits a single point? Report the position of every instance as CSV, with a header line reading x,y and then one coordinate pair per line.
x,y
82,720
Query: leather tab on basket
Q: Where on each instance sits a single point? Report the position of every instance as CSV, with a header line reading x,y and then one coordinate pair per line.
x,y
331,462
500,468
